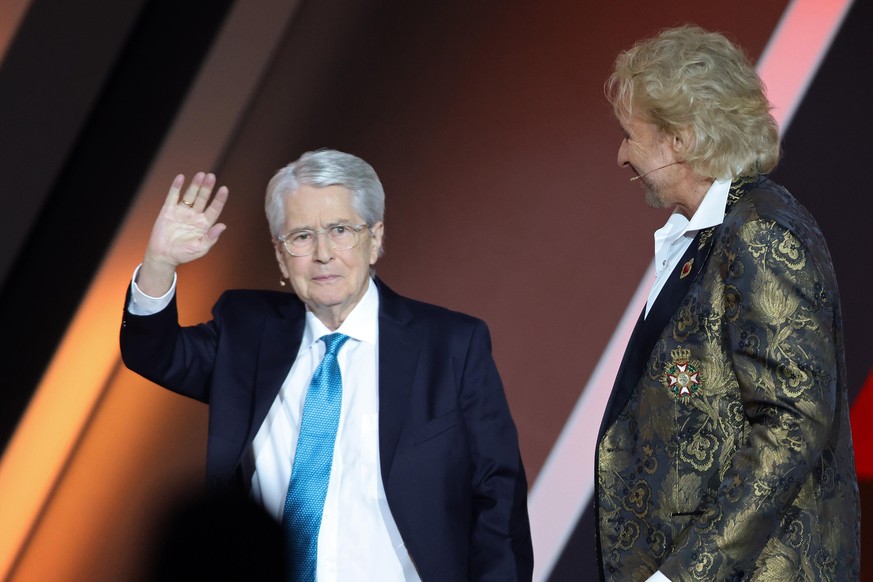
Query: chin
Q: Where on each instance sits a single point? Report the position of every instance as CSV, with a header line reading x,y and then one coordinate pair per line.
x,y
654,200
328,299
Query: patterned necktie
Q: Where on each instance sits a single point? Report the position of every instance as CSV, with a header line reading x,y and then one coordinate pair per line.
x,y
310,474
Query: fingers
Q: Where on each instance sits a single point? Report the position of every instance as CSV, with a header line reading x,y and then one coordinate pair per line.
x,y
197,194
214,232
173,194
217,205
187,226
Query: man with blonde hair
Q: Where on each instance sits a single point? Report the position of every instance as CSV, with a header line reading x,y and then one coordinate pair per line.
x,y
725,452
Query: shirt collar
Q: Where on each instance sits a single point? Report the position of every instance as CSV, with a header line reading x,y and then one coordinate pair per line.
x,y
361,324
712,208
710,213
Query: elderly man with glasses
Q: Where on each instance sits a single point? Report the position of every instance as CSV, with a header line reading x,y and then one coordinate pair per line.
x,y
373,427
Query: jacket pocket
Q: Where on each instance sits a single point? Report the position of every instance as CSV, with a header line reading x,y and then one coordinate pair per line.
x,y
435,427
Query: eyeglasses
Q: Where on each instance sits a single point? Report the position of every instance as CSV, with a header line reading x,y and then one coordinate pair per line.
x,y
341,237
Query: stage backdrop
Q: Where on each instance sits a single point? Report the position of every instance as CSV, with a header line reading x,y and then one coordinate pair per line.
x,y
487,124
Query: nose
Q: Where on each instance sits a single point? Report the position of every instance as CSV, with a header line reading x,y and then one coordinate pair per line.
x,y
323,252
623,160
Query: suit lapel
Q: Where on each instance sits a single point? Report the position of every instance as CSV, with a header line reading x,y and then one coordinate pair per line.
x,y
690,266
649,329
398,361
279,344
676,287
633,352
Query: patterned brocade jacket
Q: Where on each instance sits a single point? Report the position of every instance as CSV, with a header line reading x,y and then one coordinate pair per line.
x,y
725,452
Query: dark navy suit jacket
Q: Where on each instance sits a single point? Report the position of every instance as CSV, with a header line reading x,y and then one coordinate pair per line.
x,y
449,452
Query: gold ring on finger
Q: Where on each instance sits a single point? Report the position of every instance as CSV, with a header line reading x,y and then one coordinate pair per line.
x,y
188,204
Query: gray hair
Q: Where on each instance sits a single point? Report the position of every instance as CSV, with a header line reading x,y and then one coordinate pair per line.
x,y
689,79
322,168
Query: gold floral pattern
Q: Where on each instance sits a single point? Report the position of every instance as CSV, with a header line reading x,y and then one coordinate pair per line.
x,y
790,251
630,532
650,461
736,482
699,452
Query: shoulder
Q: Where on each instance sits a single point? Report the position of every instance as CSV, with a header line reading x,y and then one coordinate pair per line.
x,y
765,200
765,224
257,303
438,312
420,313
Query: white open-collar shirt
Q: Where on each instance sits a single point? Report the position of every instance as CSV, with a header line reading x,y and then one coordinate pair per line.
x,y
674,238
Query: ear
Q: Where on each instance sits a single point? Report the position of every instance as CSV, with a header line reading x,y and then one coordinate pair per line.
x,y
682,142
378,231
280,258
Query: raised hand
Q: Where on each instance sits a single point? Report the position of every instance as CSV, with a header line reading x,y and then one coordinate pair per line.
x,y
184,231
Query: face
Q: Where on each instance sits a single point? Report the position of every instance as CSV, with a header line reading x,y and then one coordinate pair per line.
x,y
328,281
651,154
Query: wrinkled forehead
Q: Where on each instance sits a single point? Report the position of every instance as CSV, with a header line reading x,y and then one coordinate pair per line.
x,y
312,206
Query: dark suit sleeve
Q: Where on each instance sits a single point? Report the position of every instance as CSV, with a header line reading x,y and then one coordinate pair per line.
x,y
500,537
779,311
159,349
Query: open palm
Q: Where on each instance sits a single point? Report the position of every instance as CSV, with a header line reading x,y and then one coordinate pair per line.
x,y
185,230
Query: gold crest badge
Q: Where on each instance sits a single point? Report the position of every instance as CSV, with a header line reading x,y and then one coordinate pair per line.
x,y
682,375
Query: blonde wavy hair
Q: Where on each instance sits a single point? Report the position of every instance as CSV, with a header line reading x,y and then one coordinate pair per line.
x,y
687,79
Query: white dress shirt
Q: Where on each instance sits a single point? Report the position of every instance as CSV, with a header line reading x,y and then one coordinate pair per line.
x,y
358,539
674,238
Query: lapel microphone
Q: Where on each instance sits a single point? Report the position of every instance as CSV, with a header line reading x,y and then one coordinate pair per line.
x,y
637,177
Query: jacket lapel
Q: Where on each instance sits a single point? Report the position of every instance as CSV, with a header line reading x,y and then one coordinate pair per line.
x,y
677,286
398,361
279,343
649,329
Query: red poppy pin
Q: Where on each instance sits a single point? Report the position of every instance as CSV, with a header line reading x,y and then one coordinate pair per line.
x,y
686,268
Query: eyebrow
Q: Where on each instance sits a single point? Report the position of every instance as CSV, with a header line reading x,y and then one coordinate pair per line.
x,y
337,222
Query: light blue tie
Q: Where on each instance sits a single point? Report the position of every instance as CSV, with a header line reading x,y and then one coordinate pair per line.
x,y
310,473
